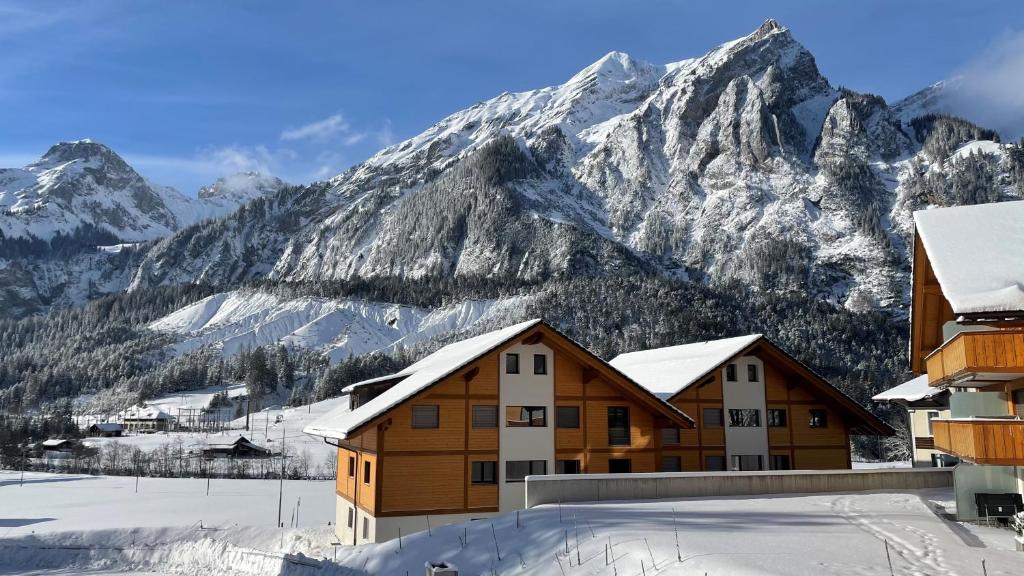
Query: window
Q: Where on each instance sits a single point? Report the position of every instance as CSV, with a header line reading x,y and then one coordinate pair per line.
x,y
518,470
931,416
747,462
525,416
540,364
425,416
744,418
485,416
567,416
485,472
618,426
671,464
366,529
620,466
1018,402
776,418
351,466
730,373
567,467
818,418
779,461
670,436
511,363
712,418
366,472
351,516
752,373
714,463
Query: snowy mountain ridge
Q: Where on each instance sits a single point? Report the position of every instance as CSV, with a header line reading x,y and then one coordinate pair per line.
x,y
743,164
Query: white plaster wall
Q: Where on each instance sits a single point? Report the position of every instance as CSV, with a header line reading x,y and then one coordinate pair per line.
x,y
388,527
524,389
743,394
919,428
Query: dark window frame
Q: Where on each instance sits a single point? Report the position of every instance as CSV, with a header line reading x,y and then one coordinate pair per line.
x,y
512,363
351,466
719,415
483,421
542,366
753,374
619,432
777,418
817,418
716,458
435,408
560,466
366,472
528,422
677,460
510,479
366,528
774,459
351,517
730,373
735,421
561,415
740,459
674,437
628,462
481,470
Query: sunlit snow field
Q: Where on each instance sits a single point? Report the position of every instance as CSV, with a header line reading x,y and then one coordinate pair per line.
x,y
99,525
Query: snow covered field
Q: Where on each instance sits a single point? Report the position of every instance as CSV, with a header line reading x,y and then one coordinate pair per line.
x,y
97,525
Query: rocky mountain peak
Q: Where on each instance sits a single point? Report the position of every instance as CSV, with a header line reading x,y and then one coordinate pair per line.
x,y
84,150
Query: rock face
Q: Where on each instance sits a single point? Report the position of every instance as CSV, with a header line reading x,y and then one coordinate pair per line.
x,y
66,221
744,164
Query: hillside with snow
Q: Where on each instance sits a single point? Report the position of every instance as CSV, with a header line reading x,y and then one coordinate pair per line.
x,y
342,328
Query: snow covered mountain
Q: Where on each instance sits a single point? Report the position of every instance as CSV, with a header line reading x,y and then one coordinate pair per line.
x,y
80,196
742,164
85,184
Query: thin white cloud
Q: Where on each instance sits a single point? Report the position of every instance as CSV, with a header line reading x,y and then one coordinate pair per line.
x,y
990,88
321,130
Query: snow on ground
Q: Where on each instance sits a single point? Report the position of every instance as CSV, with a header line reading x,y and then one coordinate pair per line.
x,y
157,529
266,427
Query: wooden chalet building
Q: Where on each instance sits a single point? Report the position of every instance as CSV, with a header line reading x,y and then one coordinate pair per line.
x,y
924,404
455,435
756,407
967,337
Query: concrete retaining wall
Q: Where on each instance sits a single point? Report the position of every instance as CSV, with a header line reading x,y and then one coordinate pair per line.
x,y
596,487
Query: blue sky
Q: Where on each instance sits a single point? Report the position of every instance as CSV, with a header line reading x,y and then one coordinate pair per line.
x,y
188,91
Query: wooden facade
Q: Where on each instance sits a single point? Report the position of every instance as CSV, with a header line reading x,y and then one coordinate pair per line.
x,y
981,441
789,387
996,353
399,470
930,310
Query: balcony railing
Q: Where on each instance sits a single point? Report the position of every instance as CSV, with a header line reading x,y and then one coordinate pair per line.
x,y
982,440
977,358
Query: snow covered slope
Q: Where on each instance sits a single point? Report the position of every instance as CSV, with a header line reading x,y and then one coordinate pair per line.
x,y
742,164
55,212
235,321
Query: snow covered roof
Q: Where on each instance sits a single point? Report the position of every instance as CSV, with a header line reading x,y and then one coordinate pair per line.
x,y
668,371
976,253
339,422
369,381
108,426
55,442
910,391
147,413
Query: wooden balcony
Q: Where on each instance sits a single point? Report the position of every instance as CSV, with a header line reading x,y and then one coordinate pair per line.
x,y
974,359
982,441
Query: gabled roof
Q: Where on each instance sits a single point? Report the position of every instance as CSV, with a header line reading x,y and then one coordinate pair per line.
x,y
910,391
371,381
975,252
668,371
108,426
340,422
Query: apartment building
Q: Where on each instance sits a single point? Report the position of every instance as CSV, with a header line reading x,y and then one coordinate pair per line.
x,y
967,337
756,407
453,436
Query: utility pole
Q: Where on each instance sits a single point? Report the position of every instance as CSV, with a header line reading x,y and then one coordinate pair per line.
x,y
280,490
